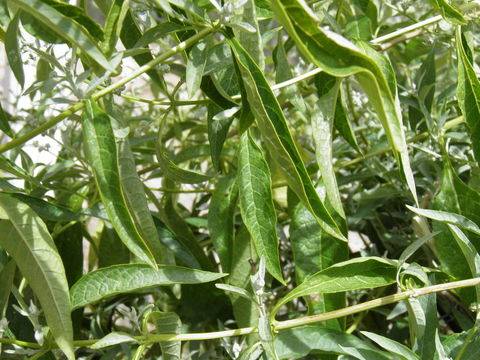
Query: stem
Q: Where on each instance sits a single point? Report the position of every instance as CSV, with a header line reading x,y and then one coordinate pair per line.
x,y
466,342
70,111
280,325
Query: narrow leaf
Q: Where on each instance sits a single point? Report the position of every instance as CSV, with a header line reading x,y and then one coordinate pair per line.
x,y
101,153
359,273
342,122
217,132
468,91
392,346
7,274
196,60
13,51
273,126
65,27
119,279
256,203
340,58
221,219
448,218
26,239
448,12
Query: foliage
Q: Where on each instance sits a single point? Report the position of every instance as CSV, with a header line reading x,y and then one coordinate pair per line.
x,y
240,179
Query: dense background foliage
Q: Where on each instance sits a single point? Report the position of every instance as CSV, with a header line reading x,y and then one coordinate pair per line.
x,y
206,166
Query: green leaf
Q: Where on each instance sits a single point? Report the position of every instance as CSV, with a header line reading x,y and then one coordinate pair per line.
x,y
355,274
113,24
28,242
217,132
468,91
236,290
45,209
266,337
322,126
340,58
119,279
447,218
273,126
133,190
391,346
7,274
102,155
13,51
175,173
297,343
114,338
158,31
196,60
168,323
250,40
111,250
342,122
448,12
221,219
65,27
5,118
313,251
256,203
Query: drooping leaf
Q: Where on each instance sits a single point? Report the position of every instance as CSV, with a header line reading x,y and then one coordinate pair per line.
x,y
65,27
26,239
256,203
359,273
12,49
340,58
5,119
168,323
113,24
135,197
114,338
119,279
273,126
221,219
468,91
102,155
322,127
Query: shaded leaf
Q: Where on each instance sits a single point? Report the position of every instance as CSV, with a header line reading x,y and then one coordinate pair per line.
x,y
7,274
196,60
468,91
168,323
28,242
119,279
217,133
448,12
391,346
46,209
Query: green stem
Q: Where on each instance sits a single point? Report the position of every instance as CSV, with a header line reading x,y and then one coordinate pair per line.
x,y
467,340
107,90
280,325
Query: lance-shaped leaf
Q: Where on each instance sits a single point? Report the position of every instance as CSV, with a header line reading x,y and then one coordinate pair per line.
x,y
392,346
468,91
135,196
342,122
221,219
197,58
322,128
448,218
339,57
360,273
13,51
113,24
168,323
256,203
65,27
119,279
101,153
114,338
27,240
273,126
